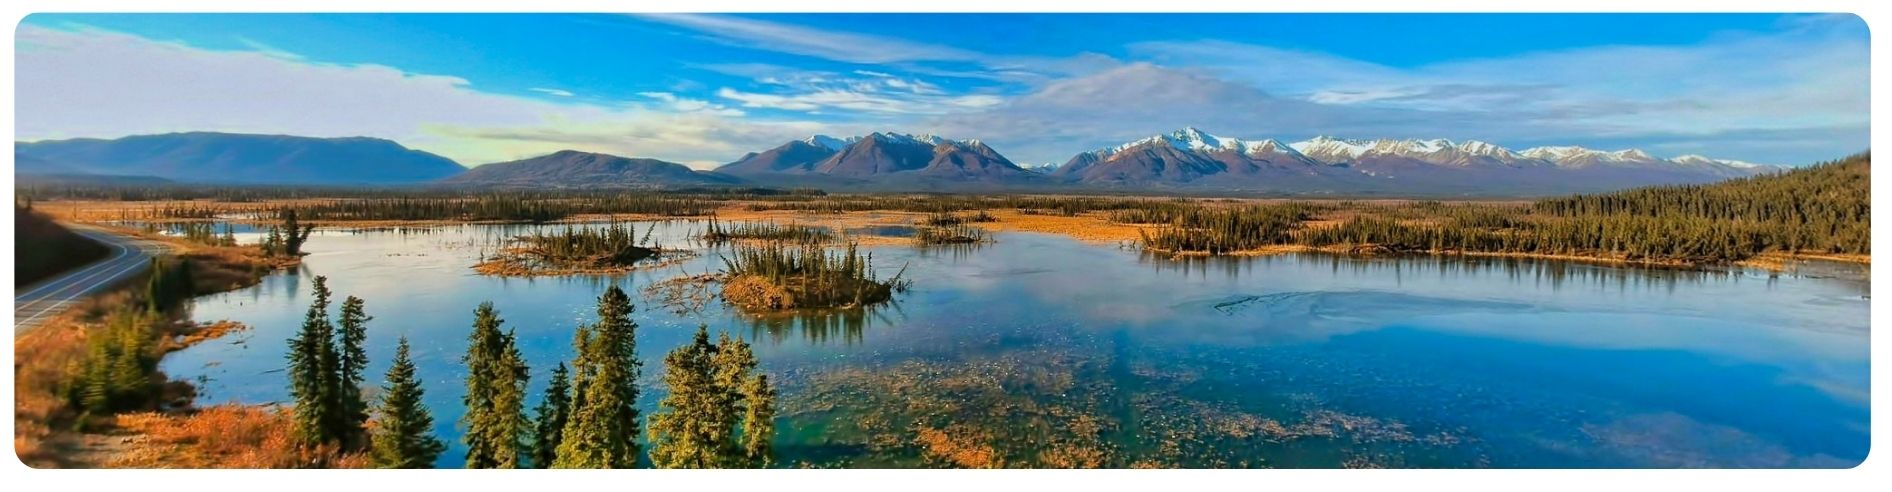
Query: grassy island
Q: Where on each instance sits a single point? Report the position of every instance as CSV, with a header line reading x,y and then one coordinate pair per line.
x,y
572,251
777,276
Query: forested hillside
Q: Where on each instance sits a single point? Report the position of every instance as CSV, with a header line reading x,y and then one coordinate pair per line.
x,y
1822,208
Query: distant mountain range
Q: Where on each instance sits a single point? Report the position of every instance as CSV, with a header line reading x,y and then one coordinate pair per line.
x,y
1185,161
206,157
882,158
574,169
1191,158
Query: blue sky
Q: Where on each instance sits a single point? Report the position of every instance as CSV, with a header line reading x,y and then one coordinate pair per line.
x,y
703,89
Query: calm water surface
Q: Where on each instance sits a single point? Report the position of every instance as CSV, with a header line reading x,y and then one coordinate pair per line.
x,y
1038,350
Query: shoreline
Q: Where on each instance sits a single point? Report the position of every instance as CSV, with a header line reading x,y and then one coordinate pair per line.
x,y
1092,227
44,439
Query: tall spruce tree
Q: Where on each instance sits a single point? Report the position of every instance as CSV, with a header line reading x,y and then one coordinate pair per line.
x,y
495,419
353,409
403,435
602,430
554,410
758,422
312,380
718,413
690,429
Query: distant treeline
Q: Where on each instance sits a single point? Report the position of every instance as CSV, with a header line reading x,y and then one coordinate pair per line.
x,y
508,207
1823,208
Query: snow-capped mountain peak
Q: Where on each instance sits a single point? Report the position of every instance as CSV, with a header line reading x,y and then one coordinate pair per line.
x,y
1410,146
1331,148
1554,153
828,142
928,139
1268,145
1701,160
1632,154
1488,149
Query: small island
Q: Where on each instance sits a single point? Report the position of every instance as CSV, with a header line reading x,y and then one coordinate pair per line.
x,y
775,276
574,251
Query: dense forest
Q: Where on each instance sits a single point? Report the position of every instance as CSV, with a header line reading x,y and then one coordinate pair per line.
x,y
1824,208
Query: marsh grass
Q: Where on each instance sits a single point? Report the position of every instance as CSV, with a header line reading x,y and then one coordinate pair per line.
x,y
951,234
572,250
717,233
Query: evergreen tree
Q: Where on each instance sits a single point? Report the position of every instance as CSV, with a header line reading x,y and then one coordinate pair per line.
x,y
404,430
552,414
758,422
495,418
353,413
690,429
719,412
602,430
294,233
312,381
272,245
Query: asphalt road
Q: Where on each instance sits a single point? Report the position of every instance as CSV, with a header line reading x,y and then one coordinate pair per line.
x,y
36,303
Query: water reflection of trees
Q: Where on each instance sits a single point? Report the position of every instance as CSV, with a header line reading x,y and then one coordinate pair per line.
x,y
1541,273
848,326
954,251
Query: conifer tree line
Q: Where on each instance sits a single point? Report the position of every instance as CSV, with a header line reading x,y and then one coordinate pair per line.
x,y
719,413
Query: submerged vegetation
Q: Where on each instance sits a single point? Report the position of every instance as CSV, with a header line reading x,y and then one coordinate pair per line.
x,y
777,276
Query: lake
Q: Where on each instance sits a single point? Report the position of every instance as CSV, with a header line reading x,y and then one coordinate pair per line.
x,y
1038,350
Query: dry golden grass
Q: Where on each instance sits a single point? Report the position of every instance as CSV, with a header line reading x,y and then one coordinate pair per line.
x,y
222,436
43,361
1779,261
1093,227
757,294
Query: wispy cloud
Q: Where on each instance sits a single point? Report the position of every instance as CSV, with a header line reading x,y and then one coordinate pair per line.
x,y
832,45
1814,71
552,92
95,83
864,92
907,56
